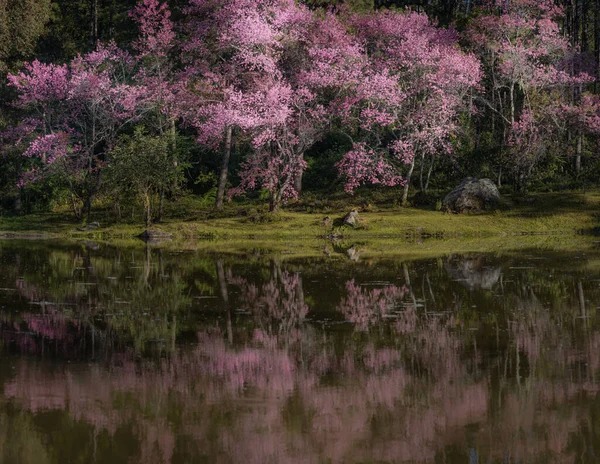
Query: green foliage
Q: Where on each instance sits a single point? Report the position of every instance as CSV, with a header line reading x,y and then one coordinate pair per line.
x,y
21,24
147,168
262,215
208,199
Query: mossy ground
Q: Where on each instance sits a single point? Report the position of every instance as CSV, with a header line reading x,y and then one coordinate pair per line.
x,y
248,226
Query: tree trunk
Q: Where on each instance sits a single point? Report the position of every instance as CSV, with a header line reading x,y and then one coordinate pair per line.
x,y
597,40
298,178
275,202
421,183
76,209
584,26
148,209
512,103
19,202
578,154
87,207
94,188
224,170
94,23
161,205
407,184
429,174
95,183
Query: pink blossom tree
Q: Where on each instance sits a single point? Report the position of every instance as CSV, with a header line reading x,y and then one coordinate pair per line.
x,y
82,107
79,109
531,73
416,84
283,70
223,73
583,117
318,73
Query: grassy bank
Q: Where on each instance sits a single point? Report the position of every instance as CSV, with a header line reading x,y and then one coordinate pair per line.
x,y
564,214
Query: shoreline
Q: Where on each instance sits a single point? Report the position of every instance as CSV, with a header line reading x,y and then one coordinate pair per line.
x,y
563,214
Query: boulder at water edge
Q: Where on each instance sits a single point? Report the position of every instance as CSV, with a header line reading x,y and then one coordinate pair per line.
x,y
472,195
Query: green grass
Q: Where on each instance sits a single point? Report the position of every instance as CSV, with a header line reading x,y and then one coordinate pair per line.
x,y
188,219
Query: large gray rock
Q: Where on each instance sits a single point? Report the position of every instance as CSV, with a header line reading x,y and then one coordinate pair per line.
x,y
472,195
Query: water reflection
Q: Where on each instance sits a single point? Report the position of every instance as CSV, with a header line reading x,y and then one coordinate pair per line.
x,y
120,355
473,271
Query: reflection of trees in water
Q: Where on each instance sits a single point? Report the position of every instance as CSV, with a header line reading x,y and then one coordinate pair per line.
x,y
364,307
280,298
402,396
284,372
427,365
129,297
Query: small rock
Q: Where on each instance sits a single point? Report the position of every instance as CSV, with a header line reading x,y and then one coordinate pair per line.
x,y
89,227
351,219
333,237
327,221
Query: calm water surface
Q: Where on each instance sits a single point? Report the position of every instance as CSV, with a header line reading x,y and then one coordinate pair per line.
x,y
112,355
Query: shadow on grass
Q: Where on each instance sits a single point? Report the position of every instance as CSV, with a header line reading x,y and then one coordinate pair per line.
x,y
550,204
47,222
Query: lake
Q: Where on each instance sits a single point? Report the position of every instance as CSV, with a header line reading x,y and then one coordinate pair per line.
x,y
142,354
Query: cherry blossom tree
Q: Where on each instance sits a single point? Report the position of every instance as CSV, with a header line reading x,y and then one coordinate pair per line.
x,y
416,85
223,73
583,117
319,72
79,109
532,71
284,68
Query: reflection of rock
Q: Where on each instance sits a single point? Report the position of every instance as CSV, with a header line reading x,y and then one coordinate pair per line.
x,y
472,195
353,254
155,236
473,272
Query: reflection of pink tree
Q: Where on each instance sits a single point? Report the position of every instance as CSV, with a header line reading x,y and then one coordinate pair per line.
x,y
405,401
36,332
280,299
364,307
